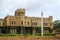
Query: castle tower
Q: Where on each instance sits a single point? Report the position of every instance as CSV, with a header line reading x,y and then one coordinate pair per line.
x,y
20,12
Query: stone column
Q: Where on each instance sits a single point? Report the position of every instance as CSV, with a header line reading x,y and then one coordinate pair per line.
x,y
21,30
0,31
34,31
11,31
15,31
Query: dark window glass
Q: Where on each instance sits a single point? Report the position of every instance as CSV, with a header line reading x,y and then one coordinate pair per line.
x,y
50,24
3,23
28,23
21,22
34,23
12,22
45,23
0,23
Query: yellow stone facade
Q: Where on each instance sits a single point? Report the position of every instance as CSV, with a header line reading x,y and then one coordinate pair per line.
x,y
19,19
26,21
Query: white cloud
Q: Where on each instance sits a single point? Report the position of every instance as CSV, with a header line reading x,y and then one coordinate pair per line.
x,y
33,7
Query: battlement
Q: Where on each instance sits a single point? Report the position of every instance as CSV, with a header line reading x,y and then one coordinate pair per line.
x,y
20,10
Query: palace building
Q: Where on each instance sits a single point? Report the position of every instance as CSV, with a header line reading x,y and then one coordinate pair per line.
x,y
20,24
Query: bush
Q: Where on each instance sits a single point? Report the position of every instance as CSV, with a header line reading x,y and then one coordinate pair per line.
x,y
37,34
45,34
11,34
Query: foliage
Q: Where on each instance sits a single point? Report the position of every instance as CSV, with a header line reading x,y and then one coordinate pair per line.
x,y
37,34
56,24
11,34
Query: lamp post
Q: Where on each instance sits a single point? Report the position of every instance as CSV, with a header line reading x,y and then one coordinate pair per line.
x,y
41,23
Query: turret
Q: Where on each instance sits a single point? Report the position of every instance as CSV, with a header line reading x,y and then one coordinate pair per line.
x,y
20,12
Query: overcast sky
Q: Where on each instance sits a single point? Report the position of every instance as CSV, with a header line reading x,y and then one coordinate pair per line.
x,y
33,7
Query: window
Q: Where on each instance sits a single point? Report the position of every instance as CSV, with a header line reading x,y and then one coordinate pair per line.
x,y
34,23
28,23
21,22
45,23
3,23
0,23
50,24
12,22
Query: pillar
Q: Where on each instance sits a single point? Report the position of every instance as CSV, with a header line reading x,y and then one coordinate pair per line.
x,y
34,31
21,30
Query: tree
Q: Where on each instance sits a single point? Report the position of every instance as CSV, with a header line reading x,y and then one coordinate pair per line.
x,y
57,25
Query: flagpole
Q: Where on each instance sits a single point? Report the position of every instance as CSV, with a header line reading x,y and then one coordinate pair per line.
x,y
41,23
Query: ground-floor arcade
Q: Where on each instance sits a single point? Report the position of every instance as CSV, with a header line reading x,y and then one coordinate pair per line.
x,y
23,30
